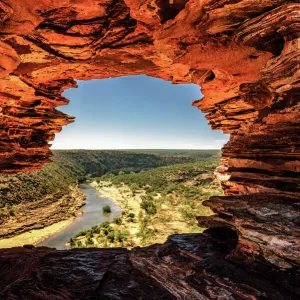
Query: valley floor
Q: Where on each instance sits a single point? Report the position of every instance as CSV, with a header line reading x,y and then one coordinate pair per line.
x,y
167,221
167,204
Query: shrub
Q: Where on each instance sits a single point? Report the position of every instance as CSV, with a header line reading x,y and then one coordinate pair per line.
x,y
106,209
96,229
134,187
144,222
79,244
72,243
123,235
146,233
131,217
106,228
104,224
186,214
89,233
111,236
80,233
117,221
89,241
149,206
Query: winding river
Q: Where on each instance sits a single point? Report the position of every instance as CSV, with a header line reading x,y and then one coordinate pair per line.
x,y
92,215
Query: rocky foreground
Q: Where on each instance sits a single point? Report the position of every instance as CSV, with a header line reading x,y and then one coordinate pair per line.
x,y
187,266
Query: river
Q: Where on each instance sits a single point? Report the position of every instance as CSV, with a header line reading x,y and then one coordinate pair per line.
x,y
92,215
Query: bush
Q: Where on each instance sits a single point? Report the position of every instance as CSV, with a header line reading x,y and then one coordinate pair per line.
x,y
80,233
111,236
106,228
96,229
131,217
117,221
89,233
89,241
187,214
106,209
72,243
149,206
104,224
79,244
146,233
123,235
134,186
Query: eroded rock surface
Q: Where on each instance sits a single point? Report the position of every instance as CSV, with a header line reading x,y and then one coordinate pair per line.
x,y
187,266
245,55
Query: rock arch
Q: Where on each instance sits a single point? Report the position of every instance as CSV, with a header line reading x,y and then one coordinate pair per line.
x,y
244,54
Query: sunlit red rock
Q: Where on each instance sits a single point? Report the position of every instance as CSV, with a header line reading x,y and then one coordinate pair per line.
x,y
245,55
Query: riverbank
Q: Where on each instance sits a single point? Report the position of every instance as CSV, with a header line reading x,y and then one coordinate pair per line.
x,y
129,203
92,215
136,227
34,222
120,195
34,237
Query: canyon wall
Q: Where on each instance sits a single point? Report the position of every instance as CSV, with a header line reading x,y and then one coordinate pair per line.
x,y
245,55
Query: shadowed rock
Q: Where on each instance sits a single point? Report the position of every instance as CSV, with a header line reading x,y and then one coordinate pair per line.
x,y
245,55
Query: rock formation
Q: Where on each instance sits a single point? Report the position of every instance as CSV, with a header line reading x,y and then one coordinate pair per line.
x,y
245,55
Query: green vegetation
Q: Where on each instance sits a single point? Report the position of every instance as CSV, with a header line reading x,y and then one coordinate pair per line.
x,y
106,209
71,167
156,203
93,163
166,179
104,233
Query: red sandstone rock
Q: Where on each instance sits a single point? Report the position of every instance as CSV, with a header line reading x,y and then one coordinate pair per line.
x,y
245,55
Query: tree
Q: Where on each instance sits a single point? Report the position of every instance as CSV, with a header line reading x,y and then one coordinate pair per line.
x,y
106,209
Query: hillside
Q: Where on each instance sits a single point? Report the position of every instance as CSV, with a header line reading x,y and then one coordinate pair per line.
x,y
99,162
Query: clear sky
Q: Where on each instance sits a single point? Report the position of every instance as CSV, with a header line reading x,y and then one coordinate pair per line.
x,y
135,112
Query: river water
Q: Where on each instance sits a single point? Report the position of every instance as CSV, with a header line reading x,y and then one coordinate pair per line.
x,y
92,215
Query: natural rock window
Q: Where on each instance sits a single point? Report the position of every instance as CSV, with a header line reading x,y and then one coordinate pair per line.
x,y
245,55
136,112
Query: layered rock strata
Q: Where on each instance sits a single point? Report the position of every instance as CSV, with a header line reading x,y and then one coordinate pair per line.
x,y
245,55
187,266
42,213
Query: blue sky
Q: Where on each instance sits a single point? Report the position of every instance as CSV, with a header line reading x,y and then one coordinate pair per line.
x,y
135,112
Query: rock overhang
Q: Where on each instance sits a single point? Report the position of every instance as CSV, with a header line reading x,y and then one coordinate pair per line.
x,y
244,54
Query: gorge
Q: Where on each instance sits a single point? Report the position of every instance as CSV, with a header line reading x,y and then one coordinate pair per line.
x,y
92,215
245,55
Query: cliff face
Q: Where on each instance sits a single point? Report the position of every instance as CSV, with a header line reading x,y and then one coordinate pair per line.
x,y
245,55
